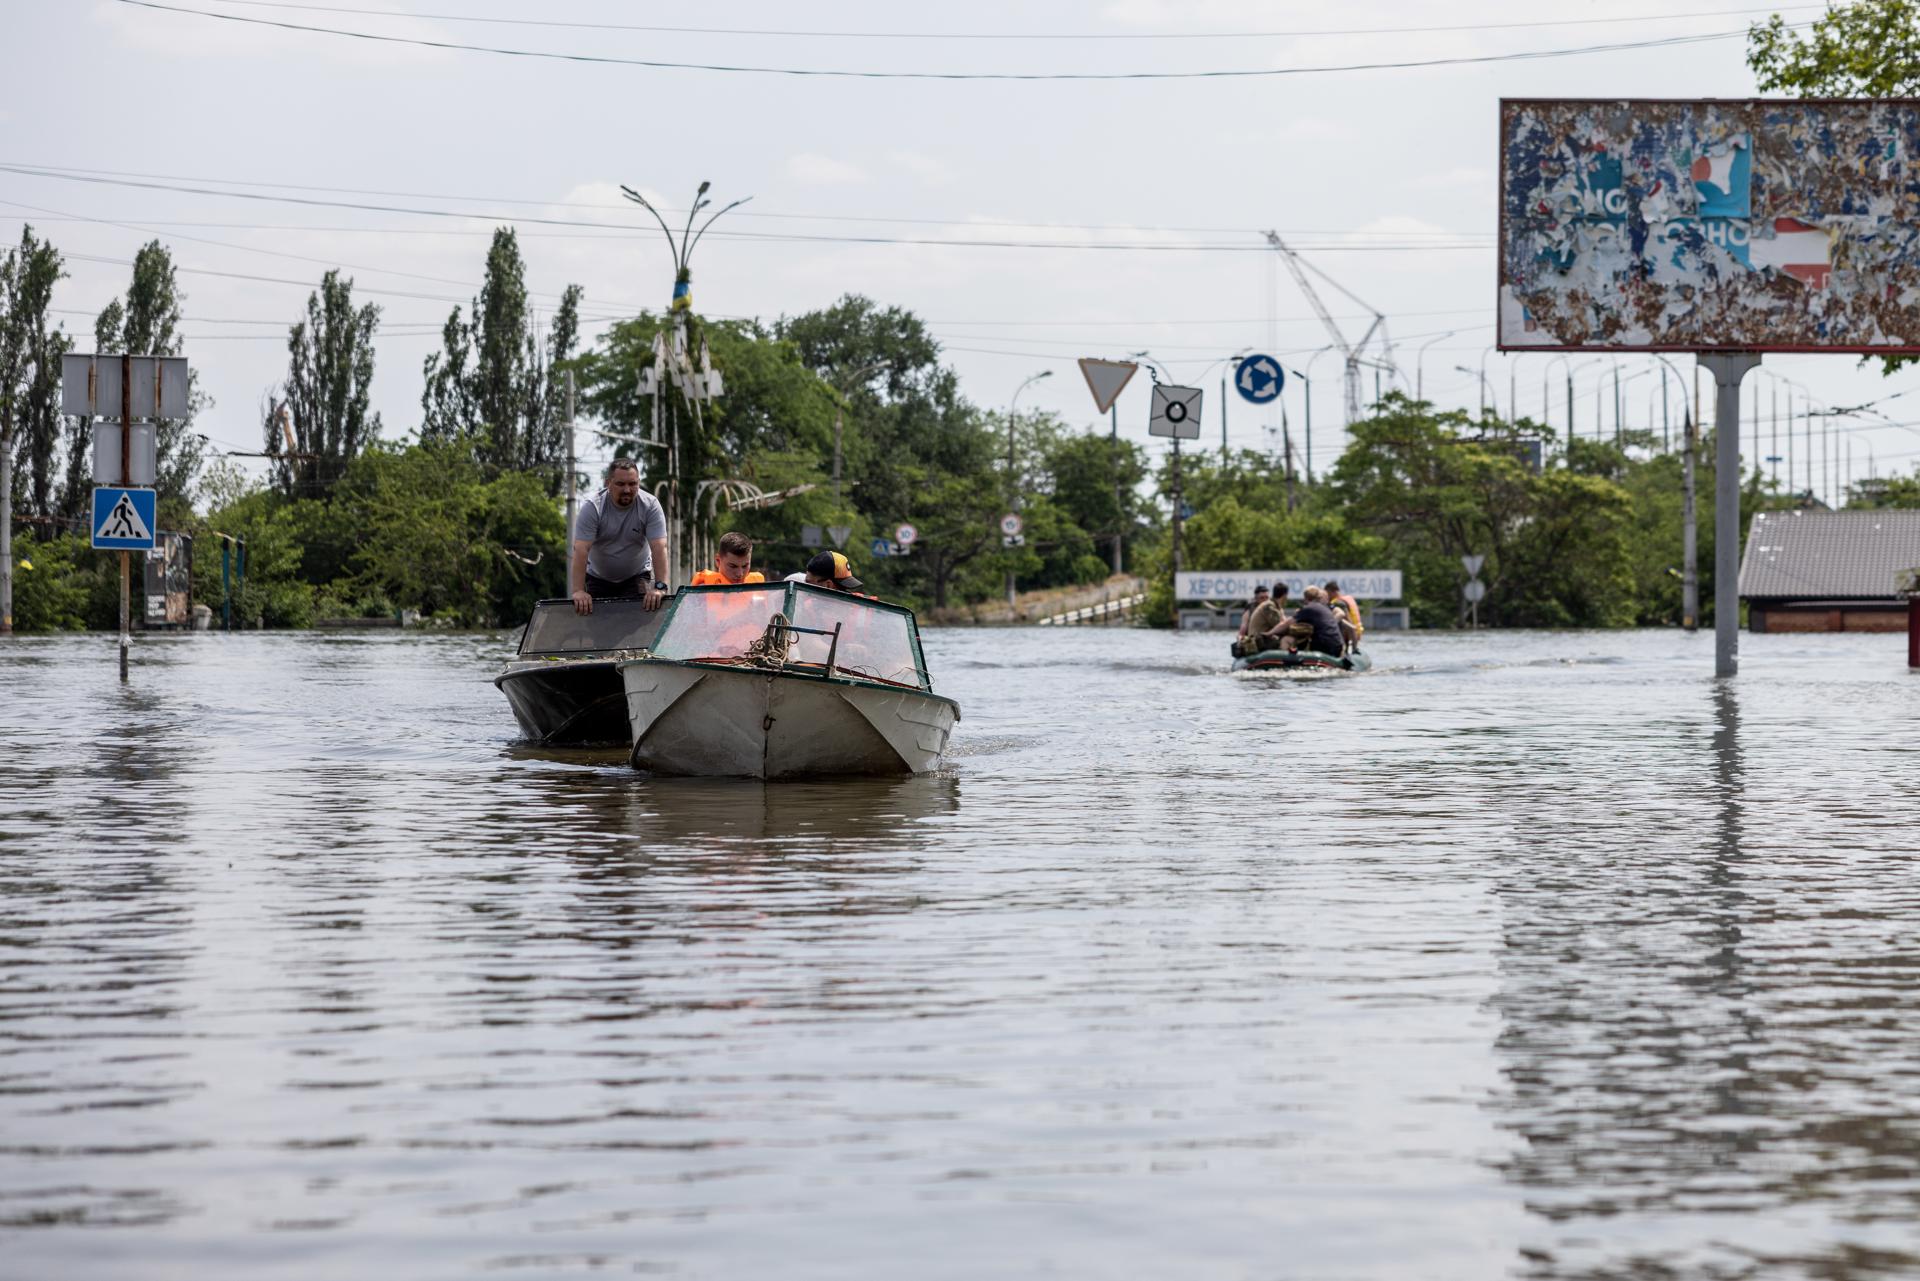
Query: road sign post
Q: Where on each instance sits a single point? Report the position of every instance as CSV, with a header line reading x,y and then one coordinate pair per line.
x,y
1176,413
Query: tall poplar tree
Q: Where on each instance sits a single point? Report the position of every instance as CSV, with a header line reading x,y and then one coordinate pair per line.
x,y
329,377
29,391
148,325
491,388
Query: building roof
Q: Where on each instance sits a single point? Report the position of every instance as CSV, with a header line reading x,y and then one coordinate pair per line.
x,y
1828,555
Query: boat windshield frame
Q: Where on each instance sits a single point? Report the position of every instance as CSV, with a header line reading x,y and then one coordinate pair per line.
x,y
605,611
791,594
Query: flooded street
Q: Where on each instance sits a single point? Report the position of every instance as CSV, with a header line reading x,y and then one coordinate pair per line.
x,y
1526,954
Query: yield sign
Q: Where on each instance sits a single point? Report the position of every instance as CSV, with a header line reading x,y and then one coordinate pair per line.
x,y
1106,379
1472,564
840,534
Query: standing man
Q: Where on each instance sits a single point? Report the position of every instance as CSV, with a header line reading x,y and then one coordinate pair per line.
x,y
619,543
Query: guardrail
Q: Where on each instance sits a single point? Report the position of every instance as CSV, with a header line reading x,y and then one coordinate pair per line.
x,y
1115,608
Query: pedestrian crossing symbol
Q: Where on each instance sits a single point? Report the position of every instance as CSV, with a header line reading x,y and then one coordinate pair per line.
x,y
123,519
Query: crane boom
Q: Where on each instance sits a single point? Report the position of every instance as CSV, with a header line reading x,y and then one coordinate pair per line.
x,y
1353,352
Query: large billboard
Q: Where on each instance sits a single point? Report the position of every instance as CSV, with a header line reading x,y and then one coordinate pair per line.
x,y
1728,225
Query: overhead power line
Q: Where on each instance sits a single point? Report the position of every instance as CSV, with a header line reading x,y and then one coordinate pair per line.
x,y
1075,36
1142,246
840,73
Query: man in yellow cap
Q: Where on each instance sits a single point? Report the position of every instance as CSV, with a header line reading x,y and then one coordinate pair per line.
x,y
828,569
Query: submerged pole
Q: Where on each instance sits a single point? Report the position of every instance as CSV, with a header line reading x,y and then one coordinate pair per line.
x,y
1727,370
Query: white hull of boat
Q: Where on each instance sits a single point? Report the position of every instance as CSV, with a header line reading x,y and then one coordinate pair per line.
x,y
700,720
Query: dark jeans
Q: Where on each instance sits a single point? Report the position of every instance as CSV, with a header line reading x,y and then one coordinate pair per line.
x,y
618,589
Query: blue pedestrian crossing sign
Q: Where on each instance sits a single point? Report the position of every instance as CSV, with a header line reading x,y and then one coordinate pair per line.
x,y
123,519
1259,378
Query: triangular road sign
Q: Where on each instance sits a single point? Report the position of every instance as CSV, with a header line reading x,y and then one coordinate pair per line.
x,y
840,534
1106,379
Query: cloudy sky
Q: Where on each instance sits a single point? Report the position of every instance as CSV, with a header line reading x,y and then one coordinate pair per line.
x,y
1030,221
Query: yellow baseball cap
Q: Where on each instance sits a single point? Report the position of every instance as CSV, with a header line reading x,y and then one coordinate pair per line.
x,y
833,565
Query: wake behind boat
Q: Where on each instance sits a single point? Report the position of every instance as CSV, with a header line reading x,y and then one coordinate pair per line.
x,y
784,680
564,684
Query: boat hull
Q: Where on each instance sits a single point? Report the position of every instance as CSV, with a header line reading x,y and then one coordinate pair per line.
x,y
1278,660
568,702
705,720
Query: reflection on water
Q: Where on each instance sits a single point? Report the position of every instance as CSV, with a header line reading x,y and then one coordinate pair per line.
x,y
1537,955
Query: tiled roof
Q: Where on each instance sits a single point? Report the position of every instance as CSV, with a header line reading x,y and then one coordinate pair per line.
x,y
1827,555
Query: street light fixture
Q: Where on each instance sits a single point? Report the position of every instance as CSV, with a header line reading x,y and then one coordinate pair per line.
x,y
1486,392
1420,355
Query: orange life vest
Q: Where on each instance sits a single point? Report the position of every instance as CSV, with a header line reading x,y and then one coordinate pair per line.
x,y
712,578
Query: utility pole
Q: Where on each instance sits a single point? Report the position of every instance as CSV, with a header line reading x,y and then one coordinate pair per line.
x,y
1727,370
1119,506
1690,535
1179,502
572,466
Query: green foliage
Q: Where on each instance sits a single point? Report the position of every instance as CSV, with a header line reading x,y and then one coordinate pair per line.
x,y
147,323
495,389
1866,49
1891,491
51,583
1439,486
329,381
30,355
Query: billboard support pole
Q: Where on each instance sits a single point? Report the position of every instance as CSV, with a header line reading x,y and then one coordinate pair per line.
x,y
1727,370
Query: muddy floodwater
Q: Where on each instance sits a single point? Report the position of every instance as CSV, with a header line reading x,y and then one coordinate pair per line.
x,y
1525,955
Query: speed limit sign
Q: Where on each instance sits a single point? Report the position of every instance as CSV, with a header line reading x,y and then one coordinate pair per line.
x,y
1010,524
905,535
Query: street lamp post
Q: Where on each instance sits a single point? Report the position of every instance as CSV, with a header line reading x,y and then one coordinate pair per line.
x,y
1013,483
1486,392
1420,355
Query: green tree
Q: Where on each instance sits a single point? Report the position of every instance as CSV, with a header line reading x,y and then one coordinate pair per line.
x,y
29,392
1439,486
494,386
147,323
1866,49
329,377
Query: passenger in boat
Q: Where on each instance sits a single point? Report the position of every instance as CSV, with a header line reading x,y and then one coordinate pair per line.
x,y
1314,627
1246,615
828,569
1348,610
732,562
1267,621
619,538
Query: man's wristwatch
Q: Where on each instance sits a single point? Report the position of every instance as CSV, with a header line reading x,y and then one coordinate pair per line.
x,y
659,586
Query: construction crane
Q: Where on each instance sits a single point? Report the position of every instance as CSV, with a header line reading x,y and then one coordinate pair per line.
x,y
1356,353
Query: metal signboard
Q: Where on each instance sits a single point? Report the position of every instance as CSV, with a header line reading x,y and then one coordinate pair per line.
x,y
1011,524
840,534
1259,379
1238,584
142,458
1176,412
1730,225
123,519
1472,564
90,385
905,534
1106,379
810,536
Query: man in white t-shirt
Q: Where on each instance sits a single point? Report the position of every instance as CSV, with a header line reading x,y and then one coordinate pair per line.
x,y
619,543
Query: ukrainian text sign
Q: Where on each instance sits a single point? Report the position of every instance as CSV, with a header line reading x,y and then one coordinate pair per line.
x,y
1238,584
1759,225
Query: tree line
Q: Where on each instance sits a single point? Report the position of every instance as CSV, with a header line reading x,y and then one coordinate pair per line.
x,y
459,516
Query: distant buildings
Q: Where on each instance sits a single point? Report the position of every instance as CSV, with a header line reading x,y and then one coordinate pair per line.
x,y
1829,571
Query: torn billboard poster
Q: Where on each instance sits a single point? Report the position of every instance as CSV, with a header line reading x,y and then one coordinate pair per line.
x,y
1756,225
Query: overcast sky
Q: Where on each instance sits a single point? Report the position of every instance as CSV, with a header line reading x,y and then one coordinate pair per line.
x,y
1383,179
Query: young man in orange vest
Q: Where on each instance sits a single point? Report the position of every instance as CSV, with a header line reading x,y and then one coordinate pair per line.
x,y
732,562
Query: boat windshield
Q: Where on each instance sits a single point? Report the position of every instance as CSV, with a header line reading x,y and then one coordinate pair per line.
x,y
613,624
719,622
875,640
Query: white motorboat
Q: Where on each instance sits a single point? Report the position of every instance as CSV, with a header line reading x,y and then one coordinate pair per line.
x,y
784,680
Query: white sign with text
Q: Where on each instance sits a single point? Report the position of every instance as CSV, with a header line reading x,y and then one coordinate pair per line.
x,y
1238,584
